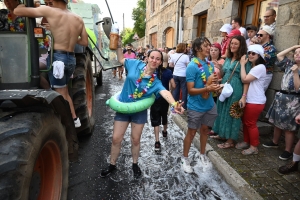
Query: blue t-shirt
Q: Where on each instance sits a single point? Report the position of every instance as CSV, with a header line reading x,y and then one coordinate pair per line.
x,y
165,78
134,68
193,74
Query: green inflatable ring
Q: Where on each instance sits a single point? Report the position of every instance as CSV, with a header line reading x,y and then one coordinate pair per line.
x,y
128,108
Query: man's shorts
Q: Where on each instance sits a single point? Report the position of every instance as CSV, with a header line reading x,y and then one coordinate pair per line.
x,y
159,112
70,62
196,119
138,118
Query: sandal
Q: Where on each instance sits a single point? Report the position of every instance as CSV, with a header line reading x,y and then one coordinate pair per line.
x,y
242,145
212,133
250,151
217,137
225,145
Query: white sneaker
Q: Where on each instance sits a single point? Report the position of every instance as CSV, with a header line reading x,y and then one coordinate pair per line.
x,y
204,159
77,123
185,163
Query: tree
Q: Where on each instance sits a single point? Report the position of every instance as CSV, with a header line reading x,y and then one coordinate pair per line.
x,y
139,17
127,36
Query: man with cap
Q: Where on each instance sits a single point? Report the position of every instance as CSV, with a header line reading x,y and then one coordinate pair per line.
x,y
251,32
67,29
160,107
269,18
264,38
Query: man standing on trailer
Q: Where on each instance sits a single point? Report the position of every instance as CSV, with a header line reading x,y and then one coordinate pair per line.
x,y
67,29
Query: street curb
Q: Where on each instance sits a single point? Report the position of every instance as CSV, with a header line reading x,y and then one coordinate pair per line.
x,y
229,174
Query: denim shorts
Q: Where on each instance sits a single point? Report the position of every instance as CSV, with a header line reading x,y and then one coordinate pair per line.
x,y
70,63
138,118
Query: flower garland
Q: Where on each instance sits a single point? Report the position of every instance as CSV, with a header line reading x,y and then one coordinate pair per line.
x,y
138,94
203,75
12,25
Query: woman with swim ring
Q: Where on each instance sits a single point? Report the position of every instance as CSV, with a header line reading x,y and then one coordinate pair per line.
x,y
140,83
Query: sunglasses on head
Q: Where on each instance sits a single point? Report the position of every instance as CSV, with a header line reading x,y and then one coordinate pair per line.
x,y
252,53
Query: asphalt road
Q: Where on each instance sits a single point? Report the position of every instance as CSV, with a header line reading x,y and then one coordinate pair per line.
x,y
162,176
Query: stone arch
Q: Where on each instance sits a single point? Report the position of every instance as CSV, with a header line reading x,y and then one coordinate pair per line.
x,y
168,34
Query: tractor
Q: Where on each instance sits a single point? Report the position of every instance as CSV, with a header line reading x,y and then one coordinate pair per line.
x,y
37,133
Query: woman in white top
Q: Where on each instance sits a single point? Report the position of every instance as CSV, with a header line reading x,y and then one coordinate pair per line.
x,y
179,61
255,98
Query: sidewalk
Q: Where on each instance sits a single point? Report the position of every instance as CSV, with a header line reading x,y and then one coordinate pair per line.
x,y
254,176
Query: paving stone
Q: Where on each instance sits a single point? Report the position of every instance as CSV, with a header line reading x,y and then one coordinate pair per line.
x,y
285,197
275,176
291,178
266,181
287,186
276,189
253,183
262,191
297,185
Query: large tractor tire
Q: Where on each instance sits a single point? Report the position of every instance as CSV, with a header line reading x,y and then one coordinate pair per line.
x,y
83,94
33,156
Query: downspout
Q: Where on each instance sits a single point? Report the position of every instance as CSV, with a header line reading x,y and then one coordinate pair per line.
x,y
177,23
181,22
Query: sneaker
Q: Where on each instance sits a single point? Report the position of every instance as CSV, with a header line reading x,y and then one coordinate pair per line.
x,y
136,170
204,159
77,122
186,166
157,146
105,172
290,167
270,145
286,155
165,134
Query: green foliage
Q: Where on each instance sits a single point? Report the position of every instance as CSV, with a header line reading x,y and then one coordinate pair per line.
x,y
139,17
127,36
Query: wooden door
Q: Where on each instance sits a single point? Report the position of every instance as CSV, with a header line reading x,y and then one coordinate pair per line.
x,y
170,37
154,40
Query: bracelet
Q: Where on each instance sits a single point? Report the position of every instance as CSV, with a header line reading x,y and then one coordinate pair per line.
x,y
172,108
244,95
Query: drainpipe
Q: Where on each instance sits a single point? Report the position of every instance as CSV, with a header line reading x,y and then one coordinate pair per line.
x,y
181,22
177,22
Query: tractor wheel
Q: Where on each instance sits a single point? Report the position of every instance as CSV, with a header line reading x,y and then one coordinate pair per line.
x,y
84,94
100,79
33,156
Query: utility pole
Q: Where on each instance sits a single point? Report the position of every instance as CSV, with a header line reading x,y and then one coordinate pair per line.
x,y
123,22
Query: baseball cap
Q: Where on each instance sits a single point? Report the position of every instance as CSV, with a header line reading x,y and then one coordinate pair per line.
x,y
257,48
165,59
268,30
226,92
217,45
251,27
226,28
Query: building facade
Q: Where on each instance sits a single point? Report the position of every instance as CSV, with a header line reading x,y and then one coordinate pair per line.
x,y
169,22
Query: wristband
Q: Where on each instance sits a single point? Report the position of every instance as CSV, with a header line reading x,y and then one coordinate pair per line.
x,y
244,95
172,108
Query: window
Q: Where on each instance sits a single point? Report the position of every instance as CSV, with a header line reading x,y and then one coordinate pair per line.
x,y
252,11
170,37
201,25
152,6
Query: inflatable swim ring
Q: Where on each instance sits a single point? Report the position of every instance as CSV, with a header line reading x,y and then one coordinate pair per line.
x,y
132,107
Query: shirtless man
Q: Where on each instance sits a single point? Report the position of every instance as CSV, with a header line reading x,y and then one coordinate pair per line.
x,y
67,29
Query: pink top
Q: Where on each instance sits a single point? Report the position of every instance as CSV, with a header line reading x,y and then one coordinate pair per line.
x,y
130,56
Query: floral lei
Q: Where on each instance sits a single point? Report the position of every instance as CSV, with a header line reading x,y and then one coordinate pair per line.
x,y
11,24
203,75
138,94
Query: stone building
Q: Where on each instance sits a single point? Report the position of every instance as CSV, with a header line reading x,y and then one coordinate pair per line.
x,y
169,22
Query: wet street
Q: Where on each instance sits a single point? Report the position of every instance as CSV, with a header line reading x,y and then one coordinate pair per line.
x,y
162,176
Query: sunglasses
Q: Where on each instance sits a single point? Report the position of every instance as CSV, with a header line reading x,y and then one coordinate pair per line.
x,y
252,53
260,35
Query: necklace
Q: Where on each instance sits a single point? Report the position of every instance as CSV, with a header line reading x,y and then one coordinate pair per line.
x,y
12,24
203,75
138,94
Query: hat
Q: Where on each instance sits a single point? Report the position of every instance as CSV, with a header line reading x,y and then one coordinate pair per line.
x,y
226,28
268,30
165,59
257,48
234,33
217,45
251,27
226,92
